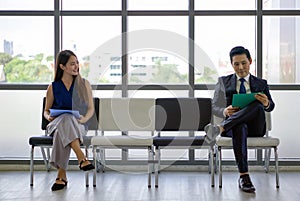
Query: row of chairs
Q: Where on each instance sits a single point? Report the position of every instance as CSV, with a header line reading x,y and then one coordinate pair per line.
x,y
153,115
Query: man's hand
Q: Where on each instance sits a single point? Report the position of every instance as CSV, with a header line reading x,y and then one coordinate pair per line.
x,y
262,98
231,110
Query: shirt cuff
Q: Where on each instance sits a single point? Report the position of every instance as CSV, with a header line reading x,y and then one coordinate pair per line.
x,y
267,107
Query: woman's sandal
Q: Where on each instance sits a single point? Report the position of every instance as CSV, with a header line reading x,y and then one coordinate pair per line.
x,y
56,186
86,167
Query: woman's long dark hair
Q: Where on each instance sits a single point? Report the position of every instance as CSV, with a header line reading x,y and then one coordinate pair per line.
x,y
62,58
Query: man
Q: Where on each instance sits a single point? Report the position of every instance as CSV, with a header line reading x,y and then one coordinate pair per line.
x,y
240,123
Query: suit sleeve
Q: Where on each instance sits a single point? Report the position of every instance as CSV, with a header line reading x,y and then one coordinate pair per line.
x,y
271,102
219,99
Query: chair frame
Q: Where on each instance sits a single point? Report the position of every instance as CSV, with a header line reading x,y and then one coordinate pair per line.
x,y
102,156
207,118
267,151
45,142
190,147
100,148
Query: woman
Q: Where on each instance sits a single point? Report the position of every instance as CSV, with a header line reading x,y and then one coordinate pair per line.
x,y
68,92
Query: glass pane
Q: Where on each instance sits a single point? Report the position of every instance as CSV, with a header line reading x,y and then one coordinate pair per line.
x,y
225,5
215,36
157,93
91,5
281,4
173,155
26,49
158,50
281,49
157,5
26,5
97,43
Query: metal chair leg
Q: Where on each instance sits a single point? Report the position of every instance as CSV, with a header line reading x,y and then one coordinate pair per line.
x,y
156,167
45,159
95,163
212,166
48,159
216,159
267,160
149,167
31,165
276,166
86,173
220,166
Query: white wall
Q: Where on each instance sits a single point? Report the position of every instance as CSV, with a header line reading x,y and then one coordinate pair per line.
x,y
21,117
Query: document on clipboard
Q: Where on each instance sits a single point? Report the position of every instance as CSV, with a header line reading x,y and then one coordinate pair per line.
x,y
56,112
242,100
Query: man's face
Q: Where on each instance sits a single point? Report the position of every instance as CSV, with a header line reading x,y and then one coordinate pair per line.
x,y
241,65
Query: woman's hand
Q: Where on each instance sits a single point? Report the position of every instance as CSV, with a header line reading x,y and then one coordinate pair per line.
x,y
49,118
82,119
231,110
262,98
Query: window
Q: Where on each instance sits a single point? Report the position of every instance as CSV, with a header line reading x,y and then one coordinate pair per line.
x,y
26,5
155,52
159,43
26,49
225,5
281,50
115,67
97,49
281,4
157,5
91,5
214,38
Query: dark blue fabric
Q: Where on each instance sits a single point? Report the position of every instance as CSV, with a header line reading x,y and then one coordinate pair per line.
x,y
67,99
242,86
244,123
62,97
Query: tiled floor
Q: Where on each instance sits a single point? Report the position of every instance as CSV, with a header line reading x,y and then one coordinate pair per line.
x,y
173,186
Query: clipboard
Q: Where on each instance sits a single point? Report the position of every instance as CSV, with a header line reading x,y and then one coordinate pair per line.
x,y
242,100
56,112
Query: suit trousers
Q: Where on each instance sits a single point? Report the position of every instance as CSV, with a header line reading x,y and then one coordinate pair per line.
x,y
248,122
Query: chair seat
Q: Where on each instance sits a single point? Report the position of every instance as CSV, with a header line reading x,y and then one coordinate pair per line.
x,y
251,142
44,140
41,140
178,141
130,141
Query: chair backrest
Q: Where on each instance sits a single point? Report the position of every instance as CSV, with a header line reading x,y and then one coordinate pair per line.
x,y
126,114
92,123
182,114
268,122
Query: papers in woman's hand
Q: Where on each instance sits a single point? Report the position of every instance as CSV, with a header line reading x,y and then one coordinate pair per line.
x,y
56,112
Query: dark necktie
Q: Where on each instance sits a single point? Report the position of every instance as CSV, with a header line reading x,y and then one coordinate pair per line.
x,y
242,87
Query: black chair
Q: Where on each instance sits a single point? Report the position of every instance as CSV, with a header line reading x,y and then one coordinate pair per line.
x,y
182,114
46,142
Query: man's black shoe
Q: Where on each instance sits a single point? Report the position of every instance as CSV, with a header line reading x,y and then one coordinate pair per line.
x,y
245,184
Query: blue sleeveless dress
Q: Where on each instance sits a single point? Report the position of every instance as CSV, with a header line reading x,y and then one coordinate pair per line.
x,y
67,99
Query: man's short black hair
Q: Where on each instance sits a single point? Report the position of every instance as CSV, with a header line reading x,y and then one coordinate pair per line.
x,y
238,50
